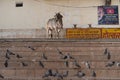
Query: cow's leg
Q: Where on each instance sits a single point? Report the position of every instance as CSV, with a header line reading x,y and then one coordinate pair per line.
x,y
57,34
58,31
50,35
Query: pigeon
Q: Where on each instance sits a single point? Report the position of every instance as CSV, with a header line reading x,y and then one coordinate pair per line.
x,y
65,74
9,52
110,64
66,63
48,73
18,56
1,76
7,56
93,74
64,57
118,64
59,76
108,56
60,52
68,56
80,74
41,64
87,65
24,64
106,51
76,64
44,56
6,63
54,73
31,48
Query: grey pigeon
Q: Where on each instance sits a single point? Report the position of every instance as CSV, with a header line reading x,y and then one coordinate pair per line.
x,y
93,74
106,51
24,64
41,64
7,56
9,52
108,56
18,56
60,52
54,73
1,76
59,76
33,49
65,74
76,64
64,57
66,63
44,56
48,73
67,56
110,64
80,74
6,63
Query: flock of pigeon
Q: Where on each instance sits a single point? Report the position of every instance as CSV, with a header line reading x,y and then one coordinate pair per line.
x,y
66,58
110,63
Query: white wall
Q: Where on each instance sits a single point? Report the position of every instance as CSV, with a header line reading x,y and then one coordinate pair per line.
x,y
35,13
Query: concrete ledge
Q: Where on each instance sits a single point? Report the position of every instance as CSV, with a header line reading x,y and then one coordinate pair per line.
x,y
26,33
40,35
22,33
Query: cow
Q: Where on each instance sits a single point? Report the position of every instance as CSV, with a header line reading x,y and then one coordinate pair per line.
x,y
54,25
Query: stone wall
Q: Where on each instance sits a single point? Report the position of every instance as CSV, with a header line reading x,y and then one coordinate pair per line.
x,y
35,13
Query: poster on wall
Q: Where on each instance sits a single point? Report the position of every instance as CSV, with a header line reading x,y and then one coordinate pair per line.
x,y
108,15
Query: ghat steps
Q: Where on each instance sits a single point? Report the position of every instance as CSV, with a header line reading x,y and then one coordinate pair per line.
x,y
81,51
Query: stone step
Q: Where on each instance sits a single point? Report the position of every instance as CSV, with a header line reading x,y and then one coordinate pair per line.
x,y
59,43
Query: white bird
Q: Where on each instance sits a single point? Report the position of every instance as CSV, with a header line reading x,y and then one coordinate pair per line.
x,y
118,64
87,65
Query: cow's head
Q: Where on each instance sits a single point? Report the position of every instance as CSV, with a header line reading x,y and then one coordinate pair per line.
x,y
58,16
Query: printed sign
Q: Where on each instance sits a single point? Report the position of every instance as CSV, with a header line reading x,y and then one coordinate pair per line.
x,y
111,33
108,15
84,33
